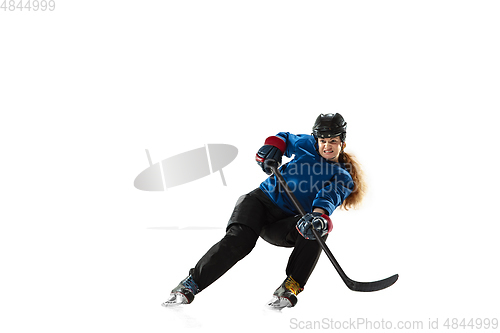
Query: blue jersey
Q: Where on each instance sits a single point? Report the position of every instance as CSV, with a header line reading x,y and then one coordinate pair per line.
x,y
315,181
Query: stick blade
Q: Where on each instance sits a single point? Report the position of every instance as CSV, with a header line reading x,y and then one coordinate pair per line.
x,y
372,286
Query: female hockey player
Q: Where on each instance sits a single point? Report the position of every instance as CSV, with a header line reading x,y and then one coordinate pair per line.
x,y
321,175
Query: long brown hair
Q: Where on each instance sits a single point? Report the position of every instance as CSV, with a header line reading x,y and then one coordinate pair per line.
x,y
352,165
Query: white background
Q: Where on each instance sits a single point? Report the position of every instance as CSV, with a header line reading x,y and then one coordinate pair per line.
x,y
85,89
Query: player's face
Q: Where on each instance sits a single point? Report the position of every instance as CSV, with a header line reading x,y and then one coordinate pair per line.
x,y
330,148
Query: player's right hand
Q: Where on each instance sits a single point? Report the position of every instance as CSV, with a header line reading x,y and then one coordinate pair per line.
x,y
270,153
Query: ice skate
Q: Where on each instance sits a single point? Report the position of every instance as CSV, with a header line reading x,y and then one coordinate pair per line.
x,y
286,295
183,293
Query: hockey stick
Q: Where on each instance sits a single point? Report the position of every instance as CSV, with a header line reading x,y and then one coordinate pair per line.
x,y
351,284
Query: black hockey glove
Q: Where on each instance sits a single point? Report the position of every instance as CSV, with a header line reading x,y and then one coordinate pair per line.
x,y
270,152
318,221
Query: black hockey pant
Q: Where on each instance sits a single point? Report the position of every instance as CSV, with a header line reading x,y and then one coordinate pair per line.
x,y
255,215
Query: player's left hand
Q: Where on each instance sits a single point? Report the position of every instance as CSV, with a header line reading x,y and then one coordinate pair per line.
x,y
320,222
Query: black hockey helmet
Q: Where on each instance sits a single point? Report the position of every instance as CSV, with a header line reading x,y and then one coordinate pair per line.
x,y
329,126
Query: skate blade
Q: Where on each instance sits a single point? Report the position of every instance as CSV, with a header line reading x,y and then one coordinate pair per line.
x,y
175,300
279,303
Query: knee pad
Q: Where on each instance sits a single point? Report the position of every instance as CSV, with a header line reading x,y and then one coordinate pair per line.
x,y
240,239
